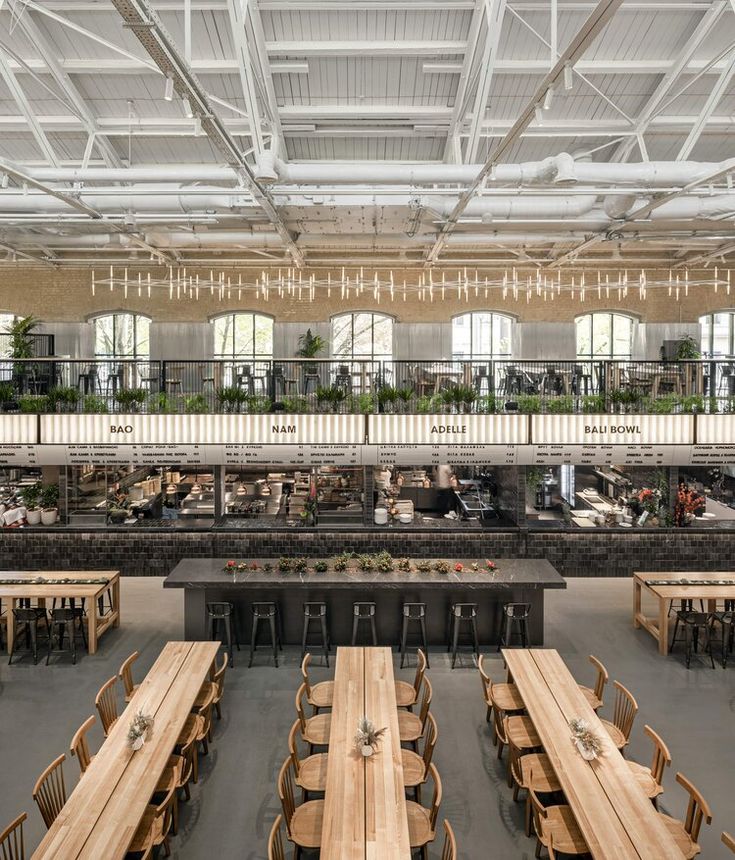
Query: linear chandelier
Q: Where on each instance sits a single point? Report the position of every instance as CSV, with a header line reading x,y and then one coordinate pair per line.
x,y
181,285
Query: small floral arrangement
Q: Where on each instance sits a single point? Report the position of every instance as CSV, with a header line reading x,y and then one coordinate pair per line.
x,y
475,566
384,562
321,566
341,562
365,562
140,727
253,565
423,566
441,566
458,567
404,564
585,739
490,565
230,566
301,564
367,736
285,564
267,567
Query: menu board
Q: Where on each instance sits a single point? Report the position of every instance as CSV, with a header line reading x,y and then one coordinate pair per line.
x,y
624,455
19,455
448,430
435,455
292,455
612,429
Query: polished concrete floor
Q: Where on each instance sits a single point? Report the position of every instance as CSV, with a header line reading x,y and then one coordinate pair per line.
x,y
234,804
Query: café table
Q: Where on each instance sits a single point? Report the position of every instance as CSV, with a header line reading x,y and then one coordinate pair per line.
x,y
615,817
101,815
364,803
677,585
73,585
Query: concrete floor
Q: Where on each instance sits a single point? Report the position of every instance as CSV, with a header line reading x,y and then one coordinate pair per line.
x,y
235,803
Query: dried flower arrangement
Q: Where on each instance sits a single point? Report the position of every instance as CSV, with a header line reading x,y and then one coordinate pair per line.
x,y
384,562
367,736
140,727
285,564
441,566
404,564
341,562
586,740
475,566
301,564
423,566
267,567
365,562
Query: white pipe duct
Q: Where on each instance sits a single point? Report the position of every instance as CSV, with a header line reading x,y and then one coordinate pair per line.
x,y
141,202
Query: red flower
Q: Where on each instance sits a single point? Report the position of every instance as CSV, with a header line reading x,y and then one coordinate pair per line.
x,y
231,563
458,567
490,565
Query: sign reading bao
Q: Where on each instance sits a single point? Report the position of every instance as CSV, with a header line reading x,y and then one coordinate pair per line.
x,y
448,429
202,429
612,429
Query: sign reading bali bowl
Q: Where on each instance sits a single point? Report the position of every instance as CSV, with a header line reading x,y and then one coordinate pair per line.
x,y
448,429
263,429
612,429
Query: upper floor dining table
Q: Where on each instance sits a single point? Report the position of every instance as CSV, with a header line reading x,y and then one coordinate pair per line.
x,y
102,814
364,803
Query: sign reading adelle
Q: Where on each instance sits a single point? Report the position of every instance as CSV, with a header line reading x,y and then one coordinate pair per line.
x,y
448,429
612,429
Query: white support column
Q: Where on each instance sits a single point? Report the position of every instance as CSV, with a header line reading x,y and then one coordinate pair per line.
x,y
238,12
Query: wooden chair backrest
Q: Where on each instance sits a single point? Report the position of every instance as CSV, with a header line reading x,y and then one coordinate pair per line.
x,y
187,753
484,677
420,670
698,809
514,753
79,746
425,701
538,810
12,846
49,792
450,843
275,841
300,694
727,840
286,792
625,710
661,755
305,673
219,679
126,673
602,676
500,729
432,734
106,702
205,711
293,749
164,812
436,800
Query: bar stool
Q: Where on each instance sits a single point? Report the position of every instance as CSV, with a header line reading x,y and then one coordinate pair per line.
x,y
60,619
414,612
316,611
27,619
310,380
462,613
223,613
515,615
363,611
692,624
262,611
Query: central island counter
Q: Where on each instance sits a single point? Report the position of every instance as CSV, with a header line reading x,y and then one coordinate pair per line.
x,y
514,581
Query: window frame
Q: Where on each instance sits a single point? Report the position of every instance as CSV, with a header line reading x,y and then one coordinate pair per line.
x,y
240,356
352,356
610,355
709,320
481,356
114,355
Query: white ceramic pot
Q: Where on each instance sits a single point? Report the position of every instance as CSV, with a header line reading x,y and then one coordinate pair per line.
x,y
367,750
138,743
48,518
587,754
33,517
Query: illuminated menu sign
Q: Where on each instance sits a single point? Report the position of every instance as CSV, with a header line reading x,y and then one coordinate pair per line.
x,y
612,429
448,429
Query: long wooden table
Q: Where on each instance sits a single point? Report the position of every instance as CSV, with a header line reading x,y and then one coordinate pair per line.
x,y
614,815
100,817
365,807
677,585
74,588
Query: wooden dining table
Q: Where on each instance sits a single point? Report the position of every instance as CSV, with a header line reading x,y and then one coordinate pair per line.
x,y
708,587
364,803
101,815
614,815
73,585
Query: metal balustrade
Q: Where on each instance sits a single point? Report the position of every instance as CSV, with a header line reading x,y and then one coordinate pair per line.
x,y
341,385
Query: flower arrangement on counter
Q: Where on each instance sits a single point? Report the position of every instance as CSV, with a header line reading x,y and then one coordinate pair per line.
x,y
383,562
140,728
367,736
585,739
688,502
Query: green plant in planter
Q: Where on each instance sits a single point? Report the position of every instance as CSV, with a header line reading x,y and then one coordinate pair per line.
x,y
31,496
625,397
33,403
130,399
692,403
365,562
487,404
321,566
442,566
593,404
21,342
257,404
529,404
301,564
561,405
230,397
49,497
404,564
423,566
361,404
310,346
160,404
93,403
387,398
63,399
285,564
341,562
196,404
687,349
384,562
664,404
7,395
295,405
403,397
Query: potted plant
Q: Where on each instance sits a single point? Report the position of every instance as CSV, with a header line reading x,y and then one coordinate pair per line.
x,y
33,404
130,399
404,397
31,496
49,501
95,404
687,349
230,397
21,346
310,345
7,397
387,397
63,398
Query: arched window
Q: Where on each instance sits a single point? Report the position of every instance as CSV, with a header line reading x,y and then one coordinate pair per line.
x,y
122,335
604,335
482,335
243,335
718,334
362,335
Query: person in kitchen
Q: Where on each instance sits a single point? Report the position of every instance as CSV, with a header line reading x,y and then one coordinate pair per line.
x,y
443,481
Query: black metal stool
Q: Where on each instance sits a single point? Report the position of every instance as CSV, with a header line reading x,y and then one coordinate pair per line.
x,y
263,611
414,612
316,611
26,620
223,613
727,620
61,619
462,613
363,611
693,624
515,615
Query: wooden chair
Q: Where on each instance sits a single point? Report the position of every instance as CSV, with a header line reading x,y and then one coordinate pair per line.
x,y
524,732
275,841
485,681
303,823
624,713
106,702
594,695
49,792
650,778
12,846
407,695
319,695
422,821
556,828
727,840
504,699
154,827
195,731
215,686
411,726
686,832
532,770
450,843
415,766
314,730
310,772
173,777
79,746
126,676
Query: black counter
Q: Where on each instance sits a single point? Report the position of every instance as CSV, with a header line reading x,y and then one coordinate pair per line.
x,y
516,580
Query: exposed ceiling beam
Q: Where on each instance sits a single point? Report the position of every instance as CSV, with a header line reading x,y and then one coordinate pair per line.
x,y
267,69
595,23
685,6
26,255
238,11
494,14
720,251
368,48
716,93
24,179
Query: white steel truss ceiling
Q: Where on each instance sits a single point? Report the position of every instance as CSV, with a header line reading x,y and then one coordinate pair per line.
x,y
407,133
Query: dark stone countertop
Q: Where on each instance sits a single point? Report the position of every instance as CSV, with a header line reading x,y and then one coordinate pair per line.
x,y
511,573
